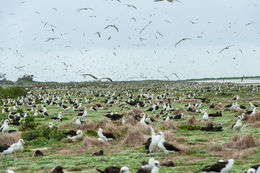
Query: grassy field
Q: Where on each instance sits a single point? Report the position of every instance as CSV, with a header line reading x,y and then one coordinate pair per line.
x,y
199,148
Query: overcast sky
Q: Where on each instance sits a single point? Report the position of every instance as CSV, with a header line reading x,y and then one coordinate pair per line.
x,y
144,47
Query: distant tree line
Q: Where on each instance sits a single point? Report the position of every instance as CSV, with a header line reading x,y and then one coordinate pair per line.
x,y
26,78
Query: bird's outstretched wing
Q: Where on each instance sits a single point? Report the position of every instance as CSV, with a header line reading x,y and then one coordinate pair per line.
x,y
94,77
225,48
107,79
132,6
175,75
181,41
51,38
113,26
80,9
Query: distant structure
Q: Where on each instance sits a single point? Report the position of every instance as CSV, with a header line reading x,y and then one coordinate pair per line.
x,y
26,78
3,79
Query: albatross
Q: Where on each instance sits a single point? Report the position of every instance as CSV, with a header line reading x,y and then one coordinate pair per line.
x,y
165,146
114,169
105,136
221,166
153,169
78,136
254,169
4,128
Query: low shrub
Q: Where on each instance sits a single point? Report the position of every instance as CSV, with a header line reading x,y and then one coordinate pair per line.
x,y
28,123
12,92
42,136
189,127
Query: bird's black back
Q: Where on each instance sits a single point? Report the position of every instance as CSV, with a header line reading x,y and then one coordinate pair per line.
x,y
216,167
4,147
109,135
171,147
144,170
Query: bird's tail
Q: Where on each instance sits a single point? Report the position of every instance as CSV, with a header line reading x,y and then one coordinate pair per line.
x,y
100,170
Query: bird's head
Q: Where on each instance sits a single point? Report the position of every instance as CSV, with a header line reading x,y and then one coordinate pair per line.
x,y
161,134
79,132
21,141
156,163
251,170
100,130
124,169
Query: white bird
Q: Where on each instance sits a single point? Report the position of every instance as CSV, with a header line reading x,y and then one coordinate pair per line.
x,y
151,169
238,125
254,169
4,128
50,125
148,120
150,163
254,111
124,169
165,146
221,166
77,137
78,122
154,141
167,118
142,121
123,120
9,171
105,136
18,147
205,115
252,105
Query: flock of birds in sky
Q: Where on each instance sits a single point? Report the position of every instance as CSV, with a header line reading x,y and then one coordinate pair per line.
x,y
67,67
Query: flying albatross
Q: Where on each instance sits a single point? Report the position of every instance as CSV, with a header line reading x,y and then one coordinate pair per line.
x,y
182,41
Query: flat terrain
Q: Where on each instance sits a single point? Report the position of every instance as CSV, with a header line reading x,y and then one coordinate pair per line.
x,y
199,148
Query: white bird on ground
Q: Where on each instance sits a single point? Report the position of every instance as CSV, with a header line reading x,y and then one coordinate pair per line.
x,y
50,125
9,171
123,120
221,166
4,128
254,111
238,125
142,121
78,122
165,146
151,169
124,169
154,141
77,137
105,136
18,147
205,115
150,163
254,169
